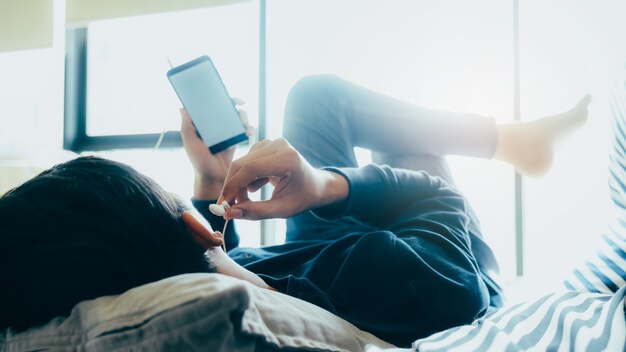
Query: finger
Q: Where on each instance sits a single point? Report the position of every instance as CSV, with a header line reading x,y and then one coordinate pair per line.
x,y
274,181
257,184
188,130
258,145
263,149
237,101
243,117
264,154
256,210
186,124
249,172
242,196
267,147
250,130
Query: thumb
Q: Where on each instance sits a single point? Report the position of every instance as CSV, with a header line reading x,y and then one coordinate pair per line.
x,y
254,210
186,126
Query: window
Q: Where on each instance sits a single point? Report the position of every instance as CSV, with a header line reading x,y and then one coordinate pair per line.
x,y
122,63
451,55
563,58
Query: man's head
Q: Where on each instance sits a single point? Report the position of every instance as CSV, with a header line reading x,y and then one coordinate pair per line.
x,y
83,229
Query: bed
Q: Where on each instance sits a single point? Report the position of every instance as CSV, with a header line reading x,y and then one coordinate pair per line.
x,y
213,312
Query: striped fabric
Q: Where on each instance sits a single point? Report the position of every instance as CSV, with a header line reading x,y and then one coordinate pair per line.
x,y
606,272
569,321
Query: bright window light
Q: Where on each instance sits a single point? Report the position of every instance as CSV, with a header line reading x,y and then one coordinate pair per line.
x,y
128,91
451,55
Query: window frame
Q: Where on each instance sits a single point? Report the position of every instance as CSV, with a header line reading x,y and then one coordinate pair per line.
x,y
75,137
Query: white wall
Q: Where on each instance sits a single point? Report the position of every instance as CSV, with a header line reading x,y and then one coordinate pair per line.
x,y
31,96
452,55
569,49
31,108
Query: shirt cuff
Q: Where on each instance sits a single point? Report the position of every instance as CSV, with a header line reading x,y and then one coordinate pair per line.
x,y
367,184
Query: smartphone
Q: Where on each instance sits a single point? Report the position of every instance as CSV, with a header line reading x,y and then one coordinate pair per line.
x,y
203,94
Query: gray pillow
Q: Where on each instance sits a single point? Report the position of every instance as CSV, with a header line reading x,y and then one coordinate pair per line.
x,y
209,312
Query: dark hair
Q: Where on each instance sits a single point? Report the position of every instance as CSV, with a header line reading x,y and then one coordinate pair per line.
x,y
83,229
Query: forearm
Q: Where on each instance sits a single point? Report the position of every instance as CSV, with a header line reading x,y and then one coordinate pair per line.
x,y
206,188
382,196
334,188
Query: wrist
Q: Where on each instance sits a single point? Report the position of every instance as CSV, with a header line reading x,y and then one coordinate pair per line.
x,y
206,188
336,188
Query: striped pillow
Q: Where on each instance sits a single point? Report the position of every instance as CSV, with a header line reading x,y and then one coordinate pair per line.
x,y
606,272
570,321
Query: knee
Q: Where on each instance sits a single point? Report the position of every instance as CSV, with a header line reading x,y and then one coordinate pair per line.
x,y
311,95
450,290
314,86
466,301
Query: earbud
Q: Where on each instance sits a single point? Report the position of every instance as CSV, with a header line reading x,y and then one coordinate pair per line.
x,y
219,210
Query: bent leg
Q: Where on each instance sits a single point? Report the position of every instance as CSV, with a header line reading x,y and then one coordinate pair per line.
x,y
315,124
326,117
336,115
339,110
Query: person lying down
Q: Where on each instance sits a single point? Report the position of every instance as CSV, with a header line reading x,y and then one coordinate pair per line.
x,y
391,247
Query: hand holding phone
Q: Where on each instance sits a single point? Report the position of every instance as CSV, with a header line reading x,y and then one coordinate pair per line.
x,y
210,169
206,100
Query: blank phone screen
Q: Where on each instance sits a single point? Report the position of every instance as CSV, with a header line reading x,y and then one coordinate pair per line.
x,y
205,98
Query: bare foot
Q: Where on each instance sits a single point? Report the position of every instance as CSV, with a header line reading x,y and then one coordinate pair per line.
x,y
529,146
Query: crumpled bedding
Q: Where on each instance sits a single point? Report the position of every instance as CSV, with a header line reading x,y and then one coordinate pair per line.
x,y
209,312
